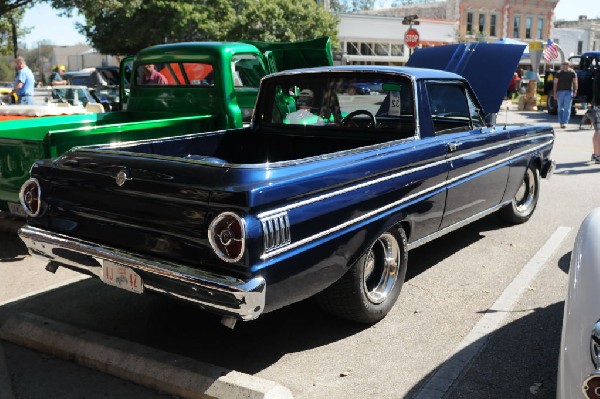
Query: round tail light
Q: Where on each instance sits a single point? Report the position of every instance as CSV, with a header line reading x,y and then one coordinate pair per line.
x,y
227,236
591,386
30,197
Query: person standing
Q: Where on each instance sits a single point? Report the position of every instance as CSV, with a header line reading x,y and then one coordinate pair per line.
x,y
24,82
565,89
594,117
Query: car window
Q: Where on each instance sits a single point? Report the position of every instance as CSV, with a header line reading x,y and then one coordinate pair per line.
x,y
176,74
364,102
247,70
110,76
450,110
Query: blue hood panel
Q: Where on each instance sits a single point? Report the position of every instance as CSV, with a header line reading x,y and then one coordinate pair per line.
x,y
488,67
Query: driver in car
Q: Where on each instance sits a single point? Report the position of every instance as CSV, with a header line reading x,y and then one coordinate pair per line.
x,y
303,114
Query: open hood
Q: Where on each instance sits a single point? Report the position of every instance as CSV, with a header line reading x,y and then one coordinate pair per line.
x,y
488,67
293,55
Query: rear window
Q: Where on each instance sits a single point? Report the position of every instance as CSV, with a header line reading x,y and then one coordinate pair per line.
x,y
349,101
175,74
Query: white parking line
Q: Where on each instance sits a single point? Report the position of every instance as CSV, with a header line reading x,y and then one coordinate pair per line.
x,y
475,341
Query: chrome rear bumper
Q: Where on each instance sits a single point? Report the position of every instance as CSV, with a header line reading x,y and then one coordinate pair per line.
x,y
243,299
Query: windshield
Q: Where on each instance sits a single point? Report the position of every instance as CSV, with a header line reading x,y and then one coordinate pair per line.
x,y
110,76
348,100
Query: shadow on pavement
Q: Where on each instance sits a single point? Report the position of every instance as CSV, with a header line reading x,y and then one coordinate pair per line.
x,y
519,360
422,258
12,249
171,326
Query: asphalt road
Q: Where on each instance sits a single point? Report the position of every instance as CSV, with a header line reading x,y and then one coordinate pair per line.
x,y
450,335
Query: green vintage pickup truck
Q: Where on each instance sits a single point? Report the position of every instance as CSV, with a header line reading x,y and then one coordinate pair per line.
x,y
171,90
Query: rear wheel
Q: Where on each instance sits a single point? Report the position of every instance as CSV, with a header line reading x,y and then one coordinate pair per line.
x,y
369,289
525,200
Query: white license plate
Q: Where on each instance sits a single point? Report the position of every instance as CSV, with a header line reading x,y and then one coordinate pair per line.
x,y
122,277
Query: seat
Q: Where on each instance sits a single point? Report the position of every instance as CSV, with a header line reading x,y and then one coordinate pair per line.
x,y
94,108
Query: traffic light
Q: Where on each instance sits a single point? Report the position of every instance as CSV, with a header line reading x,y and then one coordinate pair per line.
x,y
410,20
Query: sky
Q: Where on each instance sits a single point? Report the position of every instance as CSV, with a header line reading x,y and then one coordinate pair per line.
x,y
47,25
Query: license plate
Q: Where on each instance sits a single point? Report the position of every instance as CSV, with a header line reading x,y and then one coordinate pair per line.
x,y
122,277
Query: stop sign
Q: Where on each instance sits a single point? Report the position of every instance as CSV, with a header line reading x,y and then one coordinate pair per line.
x,y
411,38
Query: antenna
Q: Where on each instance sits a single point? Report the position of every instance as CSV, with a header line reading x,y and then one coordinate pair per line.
x,y
506,117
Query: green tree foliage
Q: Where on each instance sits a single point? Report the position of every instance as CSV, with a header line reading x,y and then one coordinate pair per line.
x,y
284,20
6,6
10,23
115,27
349,6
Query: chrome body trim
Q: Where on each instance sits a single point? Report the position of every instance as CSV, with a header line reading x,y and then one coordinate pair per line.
x,y
407,172
391,205
276,231
244,299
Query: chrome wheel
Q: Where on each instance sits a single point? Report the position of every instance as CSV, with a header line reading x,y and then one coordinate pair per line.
x,y
524,202
527,192
381,268
369,289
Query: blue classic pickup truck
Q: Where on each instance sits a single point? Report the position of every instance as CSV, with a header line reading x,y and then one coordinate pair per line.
x,y
324,194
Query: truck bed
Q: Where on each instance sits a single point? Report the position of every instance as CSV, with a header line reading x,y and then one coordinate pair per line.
x,y
252,147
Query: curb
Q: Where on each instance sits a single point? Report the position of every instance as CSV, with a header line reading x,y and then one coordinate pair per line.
x,y
165,372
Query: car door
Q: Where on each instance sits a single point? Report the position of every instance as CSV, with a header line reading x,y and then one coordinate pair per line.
x,y
476,154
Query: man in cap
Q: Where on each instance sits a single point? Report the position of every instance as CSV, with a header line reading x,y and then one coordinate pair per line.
x,y
57,78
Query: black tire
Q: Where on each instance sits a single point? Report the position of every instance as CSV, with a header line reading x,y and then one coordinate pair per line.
x,y
370,288
525,200
551,105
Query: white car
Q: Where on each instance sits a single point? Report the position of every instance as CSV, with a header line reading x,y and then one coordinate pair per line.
x,y
579,362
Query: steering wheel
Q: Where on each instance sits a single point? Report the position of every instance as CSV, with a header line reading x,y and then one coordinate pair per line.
x,y
348,122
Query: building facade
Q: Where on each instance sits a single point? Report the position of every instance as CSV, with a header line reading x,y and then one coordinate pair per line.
x,y
488,20
579,36
376,39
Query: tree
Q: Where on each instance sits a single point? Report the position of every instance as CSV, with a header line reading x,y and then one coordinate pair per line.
x,y
10,30
115,27
8,6
349,6
283,20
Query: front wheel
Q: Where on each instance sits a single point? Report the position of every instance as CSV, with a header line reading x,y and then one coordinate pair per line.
x,y
369,289
525,200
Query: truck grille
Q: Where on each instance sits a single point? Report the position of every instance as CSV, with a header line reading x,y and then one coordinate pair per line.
x,y
276,231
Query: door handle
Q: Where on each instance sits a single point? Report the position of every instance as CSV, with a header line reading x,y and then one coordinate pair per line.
x,y
453,146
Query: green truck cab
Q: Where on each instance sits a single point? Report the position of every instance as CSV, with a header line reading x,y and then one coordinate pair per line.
x,y
205,86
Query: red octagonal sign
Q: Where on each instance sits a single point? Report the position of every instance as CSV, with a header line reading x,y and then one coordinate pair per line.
x,y
411,38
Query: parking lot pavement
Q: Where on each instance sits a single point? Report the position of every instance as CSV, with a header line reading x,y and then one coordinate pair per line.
x,y
27,367
6,391
154,369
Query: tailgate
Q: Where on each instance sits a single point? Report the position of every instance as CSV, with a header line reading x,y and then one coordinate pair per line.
x,y
143,204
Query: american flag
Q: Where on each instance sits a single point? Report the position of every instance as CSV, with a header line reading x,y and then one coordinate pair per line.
x,y
551,51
